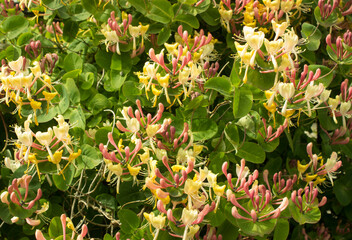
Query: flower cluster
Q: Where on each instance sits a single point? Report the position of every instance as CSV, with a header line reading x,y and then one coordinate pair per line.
x,y
119,34
25,85
189,65
41,148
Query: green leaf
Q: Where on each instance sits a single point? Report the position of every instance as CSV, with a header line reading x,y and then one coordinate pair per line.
x,y
108,237
342,190
63,181
53,4
203,129
131,91
24,38
216,218
242,101
106,200
15,25
188,19
282,229
161,11
55,227
251,152
313,36
260,80
235,76
116,80
89,157
72,90
90,5
232,135
211,16
164,35
312,216
129,220
19,211
77,118
70,30
189,2
103,58
101,136
139,5
11,53
256,228
72,62
98,103
220,84
88,82
72,74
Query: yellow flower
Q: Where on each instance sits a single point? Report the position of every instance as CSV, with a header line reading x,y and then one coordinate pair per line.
x,y
56,157
163,81
309,178
172,48
219,191
157,222
70,224
49,96
133,170
177,168
152,129
302,168
35,106
75,155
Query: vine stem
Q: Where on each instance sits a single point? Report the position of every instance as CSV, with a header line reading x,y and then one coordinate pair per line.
x,y
6,132
76,194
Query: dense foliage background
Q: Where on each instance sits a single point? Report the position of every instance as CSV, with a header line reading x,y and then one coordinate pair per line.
x,y
155,119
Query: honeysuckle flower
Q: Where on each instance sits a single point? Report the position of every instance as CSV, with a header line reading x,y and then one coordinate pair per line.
x,y
226,16
287,5
33,222
324,96
4,195
290,44
344,109
158,222
61,132
286,90
189,216
45,138
273,47
15,219
333,104
111,38
312,91
314,133
273,5
134,171
330,167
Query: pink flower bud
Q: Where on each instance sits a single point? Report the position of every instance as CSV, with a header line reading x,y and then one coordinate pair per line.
x,y
39,235
254,215
224,168
170,216
161,207
323,201
309,150
32,222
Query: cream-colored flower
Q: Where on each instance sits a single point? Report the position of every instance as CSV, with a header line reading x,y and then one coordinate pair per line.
x,y
45,138
286,90
157,222
189,216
